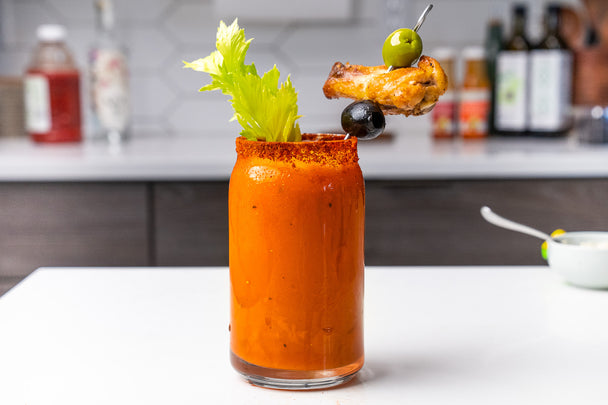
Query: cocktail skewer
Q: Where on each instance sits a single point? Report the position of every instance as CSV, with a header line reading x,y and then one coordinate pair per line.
x,y
418,24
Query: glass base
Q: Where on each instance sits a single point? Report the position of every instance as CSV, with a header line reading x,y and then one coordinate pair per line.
x,y
294,379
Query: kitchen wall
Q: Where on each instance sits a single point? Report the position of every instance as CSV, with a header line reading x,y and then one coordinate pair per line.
x,y
161,33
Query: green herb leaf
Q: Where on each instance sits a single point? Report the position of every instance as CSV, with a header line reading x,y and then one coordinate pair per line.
x,y
265,110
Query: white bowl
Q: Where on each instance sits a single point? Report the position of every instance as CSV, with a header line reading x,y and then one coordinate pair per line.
x,y
581,258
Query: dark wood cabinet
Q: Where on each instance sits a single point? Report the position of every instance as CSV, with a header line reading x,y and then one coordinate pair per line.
x,y
186,223
6,283
438,222
72,224
191,224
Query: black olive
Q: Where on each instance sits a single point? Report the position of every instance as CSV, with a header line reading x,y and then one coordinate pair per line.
x,y
363,119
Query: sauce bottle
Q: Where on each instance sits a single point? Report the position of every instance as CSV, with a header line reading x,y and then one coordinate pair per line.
x,y
52,89
550,80
475,95
443,115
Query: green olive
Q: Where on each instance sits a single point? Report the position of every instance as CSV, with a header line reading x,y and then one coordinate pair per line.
x,y
401,48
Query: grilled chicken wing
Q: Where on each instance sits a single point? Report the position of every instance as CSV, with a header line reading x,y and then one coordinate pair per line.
x,y
408,91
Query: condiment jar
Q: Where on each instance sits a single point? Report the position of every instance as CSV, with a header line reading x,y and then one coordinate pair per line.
x,y
474,95
443,116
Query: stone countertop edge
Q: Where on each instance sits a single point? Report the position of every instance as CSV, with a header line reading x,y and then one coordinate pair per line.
x,y
202,158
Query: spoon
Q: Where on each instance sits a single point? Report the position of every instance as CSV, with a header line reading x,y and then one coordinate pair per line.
x,y
417,26
497,220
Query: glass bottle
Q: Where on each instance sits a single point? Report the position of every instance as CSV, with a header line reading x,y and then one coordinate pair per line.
x,y
550,80
474,95
443,115
493,45
109,78
52,89
510,115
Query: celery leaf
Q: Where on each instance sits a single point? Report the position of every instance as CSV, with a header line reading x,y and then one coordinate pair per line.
x,y
266,110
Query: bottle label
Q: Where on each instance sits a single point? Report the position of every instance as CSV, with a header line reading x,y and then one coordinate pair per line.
x,y
37,103
550,89
474,108
443,116
109,87
511,85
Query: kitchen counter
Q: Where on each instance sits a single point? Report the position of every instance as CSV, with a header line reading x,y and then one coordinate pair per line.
x,y
433,335
174,158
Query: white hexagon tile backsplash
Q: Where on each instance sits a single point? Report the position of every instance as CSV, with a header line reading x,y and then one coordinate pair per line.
x,y
159,34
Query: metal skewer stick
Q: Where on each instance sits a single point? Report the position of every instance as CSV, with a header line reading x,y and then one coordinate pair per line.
x,y
422,17
418,25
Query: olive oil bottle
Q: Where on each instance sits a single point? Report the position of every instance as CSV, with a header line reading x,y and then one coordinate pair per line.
x,y
493,45
510,108
550,87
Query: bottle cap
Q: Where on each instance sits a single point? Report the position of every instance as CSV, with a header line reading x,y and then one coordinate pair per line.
x,y
443,53
473,52
51,33
105,11
553,8
520,9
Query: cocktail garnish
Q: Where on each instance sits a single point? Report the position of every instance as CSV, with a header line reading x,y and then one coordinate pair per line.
x,y
265,110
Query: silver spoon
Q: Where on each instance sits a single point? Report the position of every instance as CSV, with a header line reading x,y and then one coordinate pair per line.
x,y
497,220
418,25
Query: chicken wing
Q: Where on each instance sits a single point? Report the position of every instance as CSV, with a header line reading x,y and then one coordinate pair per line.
x,y
408,91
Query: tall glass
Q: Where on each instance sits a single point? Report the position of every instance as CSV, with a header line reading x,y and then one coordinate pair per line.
x,y
296,225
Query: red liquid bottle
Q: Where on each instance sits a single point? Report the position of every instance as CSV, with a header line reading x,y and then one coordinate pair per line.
x,y
52,89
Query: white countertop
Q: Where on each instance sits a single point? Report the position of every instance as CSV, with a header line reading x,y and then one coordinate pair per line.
x,y
415,156
433,335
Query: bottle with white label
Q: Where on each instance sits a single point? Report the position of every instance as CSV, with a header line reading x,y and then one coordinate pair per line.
x,y
511,98
550,80
108,79
52,89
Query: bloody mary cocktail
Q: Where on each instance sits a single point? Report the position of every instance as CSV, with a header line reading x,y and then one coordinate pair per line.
x,y
296,226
